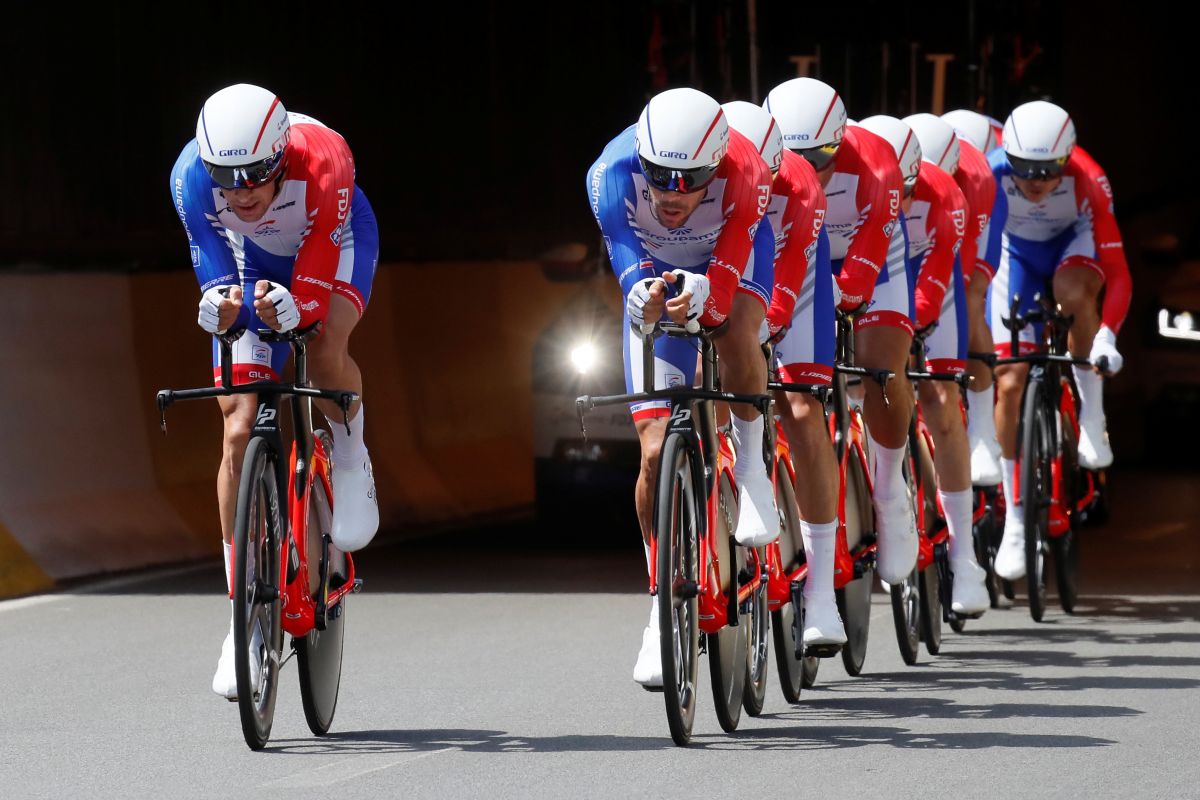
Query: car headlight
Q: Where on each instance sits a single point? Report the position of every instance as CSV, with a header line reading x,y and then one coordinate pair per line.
x,y
584,357
1178,325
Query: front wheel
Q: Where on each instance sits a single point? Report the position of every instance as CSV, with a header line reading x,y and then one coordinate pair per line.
x,y
785,622
319,653
677,574
257,625
854,599
1036,483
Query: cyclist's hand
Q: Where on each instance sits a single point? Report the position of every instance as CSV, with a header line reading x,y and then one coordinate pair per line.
x,y
689,303
275,306
646,301
219,308
1104,346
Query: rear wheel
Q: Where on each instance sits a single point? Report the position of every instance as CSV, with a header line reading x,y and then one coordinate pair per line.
x,y
319,654
1066,547
758,623
906,601
677,573
784,621
1036,487
854,599
257,625
929,583
727,648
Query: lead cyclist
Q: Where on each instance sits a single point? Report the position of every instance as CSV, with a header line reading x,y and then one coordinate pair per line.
x,y
280,238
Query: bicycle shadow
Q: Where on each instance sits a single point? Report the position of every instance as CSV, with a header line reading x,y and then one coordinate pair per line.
x,y
1051,634
868,708
1054,658
796,738
944,679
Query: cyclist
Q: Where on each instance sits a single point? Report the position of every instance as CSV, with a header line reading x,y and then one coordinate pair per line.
x,y
679,195
935,219
980,130
280,237
861,181
801,321
977,136
1053,227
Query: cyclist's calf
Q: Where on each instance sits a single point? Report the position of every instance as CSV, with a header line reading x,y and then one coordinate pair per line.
x,y
1010,387
743,369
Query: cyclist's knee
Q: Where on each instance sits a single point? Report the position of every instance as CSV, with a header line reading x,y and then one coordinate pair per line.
x,y
1010,382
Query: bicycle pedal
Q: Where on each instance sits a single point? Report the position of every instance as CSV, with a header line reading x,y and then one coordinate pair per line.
x,y
822,650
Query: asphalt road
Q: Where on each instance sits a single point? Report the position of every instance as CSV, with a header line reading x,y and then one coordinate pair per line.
x,y
489,665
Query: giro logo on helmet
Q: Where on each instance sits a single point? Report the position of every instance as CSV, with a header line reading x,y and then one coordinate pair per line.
x,y
241,151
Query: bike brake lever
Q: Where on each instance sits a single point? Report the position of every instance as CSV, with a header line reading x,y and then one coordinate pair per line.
x,y
164,400
581,409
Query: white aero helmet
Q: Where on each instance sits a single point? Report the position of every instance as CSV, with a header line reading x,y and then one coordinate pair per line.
x,y
978,129
1038,139
939,144
682,136
811,116
903,141
757,125
242,133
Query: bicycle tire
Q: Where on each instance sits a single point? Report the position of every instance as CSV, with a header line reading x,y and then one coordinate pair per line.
x,y
677,573
758,643
854,599
905,596
319,653
1035,493
984,537
1066,547
784,621
929,579
728,649
257,608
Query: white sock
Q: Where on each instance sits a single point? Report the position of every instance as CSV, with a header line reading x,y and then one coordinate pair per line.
x,y
889,471
749,455
1091,393
957,506
228,548
820,539
653,623
1008,479
349,451
981,422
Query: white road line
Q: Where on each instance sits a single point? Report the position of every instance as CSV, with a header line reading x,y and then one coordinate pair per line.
x,y
342,771
104,584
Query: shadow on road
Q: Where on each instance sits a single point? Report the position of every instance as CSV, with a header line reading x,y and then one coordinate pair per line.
x,y
796,738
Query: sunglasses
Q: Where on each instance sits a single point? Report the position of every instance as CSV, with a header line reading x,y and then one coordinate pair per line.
x,y
248,176
1037,169
672,179
820,157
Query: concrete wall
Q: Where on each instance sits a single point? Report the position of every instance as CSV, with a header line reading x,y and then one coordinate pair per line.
x,y
90,485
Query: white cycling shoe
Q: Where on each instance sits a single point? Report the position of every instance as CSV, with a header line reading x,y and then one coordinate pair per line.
x,y
1094,449
970,591
897,553
355,509
648,669
758,519
224,681
985,462
1010,556
822,623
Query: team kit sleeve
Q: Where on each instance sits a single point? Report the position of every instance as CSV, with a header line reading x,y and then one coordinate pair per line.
x,y
947,226
611,196
878,201
1096,192
212,258
323,160
803,217
747,193
979,188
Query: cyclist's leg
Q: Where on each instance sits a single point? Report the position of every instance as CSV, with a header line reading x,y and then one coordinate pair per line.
x,y
940,403
744,371
806,356
1016,275
1077,285
674,358
883,340
238,415
330,365
981,423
